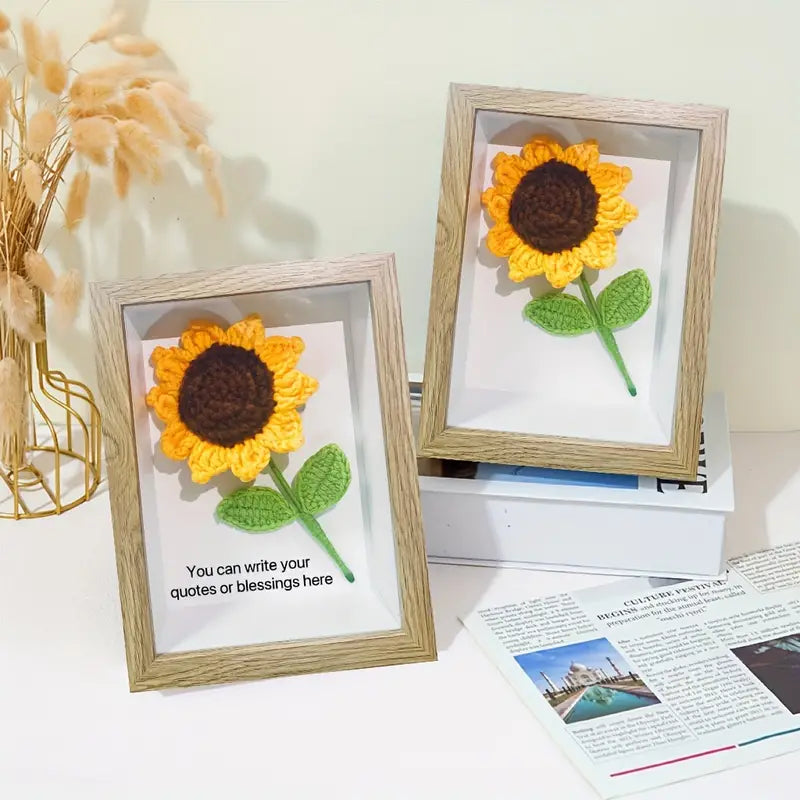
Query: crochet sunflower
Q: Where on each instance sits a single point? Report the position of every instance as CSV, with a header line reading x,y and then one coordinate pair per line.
x,y
229,399
557,210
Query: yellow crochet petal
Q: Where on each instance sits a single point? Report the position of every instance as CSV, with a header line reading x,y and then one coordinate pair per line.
x,y
207,460
525,262
613,213
307,387
509,170
280,353
609,178
170,366
267,438
284,431
561,268
497,204
200,335
248,459
246,332
584,155
599,250
159,353
502,240
293,388
206,325
164,403
539,150
177,441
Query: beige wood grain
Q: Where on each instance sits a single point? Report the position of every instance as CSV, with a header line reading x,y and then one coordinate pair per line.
x,y
438,439
150,670
120,449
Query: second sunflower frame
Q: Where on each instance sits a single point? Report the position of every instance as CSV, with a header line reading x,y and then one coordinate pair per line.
x,y
569,224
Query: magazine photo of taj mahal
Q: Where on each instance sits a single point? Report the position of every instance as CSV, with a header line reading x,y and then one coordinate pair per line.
x,y
586,680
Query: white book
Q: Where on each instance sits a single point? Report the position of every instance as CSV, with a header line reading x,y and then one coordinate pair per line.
x,y
588,522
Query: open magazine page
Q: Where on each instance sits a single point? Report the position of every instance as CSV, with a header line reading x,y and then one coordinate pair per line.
x,y
647,682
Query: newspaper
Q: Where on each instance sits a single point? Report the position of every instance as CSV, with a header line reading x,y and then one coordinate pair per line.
x,y
645,682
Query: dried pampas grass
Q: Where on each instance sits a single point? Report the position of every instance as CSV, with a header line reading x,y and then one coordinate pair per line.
x,y
5,97
32,181
41,130
144,107
98,157
127,111
122,177
210,162
108,28
33,45
54,76
39,271
51,46
58,121
76,200
130,45
139,149
186,112
147,77
67,297
13,402
19,304
117,110
192,137
120,73
91,135
91,95
52,70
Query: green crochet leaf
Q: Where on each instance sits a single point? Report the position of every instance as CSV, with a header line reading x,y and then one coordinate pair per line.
x,y
561,314
323,480
256,509
625,299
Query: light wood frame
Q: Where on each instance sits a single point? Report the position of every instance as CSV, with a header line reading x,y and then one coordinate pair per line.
x,y
150,670
439,440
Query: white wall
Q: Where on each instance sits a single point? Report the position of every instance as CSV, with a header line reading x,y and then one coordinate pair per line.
x,y
330,114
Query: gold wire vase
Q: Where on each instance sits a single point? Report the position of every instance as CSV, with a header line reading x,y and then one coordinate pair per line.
x,y
53,465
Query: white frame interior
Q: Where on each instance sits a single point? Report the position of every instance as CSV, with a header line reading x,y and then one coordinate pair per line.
x,y
646,419
374,604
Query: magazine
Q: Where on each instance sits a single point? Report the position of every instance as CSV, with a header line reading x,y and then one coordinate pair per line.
x,y
646,682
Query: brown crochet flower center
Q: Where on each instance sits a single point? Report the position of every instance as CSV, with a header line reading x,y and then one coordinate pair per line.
x,y
226,395
554,207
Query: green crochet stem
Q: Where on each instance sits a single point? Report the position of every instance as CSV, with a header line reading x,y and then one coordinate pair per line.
x,y
309,521
604,332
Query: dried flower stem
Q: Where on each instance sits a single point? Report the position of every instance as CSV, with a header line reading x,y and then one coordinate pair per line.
x,y
13,411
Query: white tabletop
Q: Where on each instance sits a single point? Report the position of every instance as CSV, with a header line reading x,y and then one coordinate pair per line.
x,y
69,728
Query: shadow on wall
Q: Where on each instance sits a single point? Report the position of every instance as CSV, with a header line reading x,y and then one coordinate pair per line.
x,y
172,227
755,334
177,217
764,472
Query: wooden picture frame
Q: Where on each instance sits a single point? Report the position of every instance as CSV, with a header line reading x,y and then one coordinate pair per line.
x,y
441,436
114,305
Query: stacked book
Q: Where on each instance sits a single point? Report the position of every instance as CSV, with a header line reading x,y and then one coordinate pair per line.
x,y
505,515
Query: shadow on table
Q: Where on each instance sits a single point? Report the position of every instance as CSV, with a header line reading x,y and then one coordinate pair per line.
x,y
455,592
459,589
